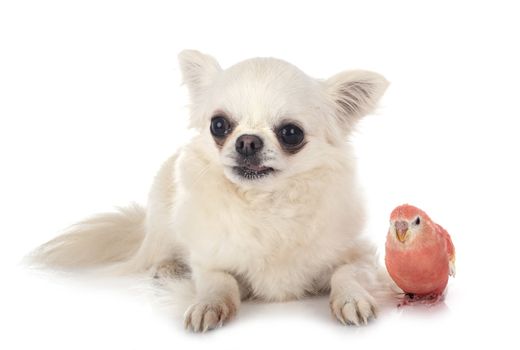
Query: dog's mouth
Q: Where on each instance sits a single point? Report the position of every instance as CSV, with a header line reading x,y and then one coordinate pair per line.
x,y
253,172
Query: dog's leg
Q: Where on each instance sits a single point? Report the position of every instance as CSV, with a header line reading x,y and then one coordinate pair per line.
x,y
173,268
217,301
350,302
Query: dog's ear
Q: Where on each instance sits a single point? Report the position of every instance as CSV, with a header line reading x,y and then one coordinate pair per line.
x,y
355,94
198,71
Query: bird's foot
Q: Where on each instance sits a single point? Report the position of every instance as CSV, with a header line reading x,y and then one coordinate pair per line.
x,y
407,299
426,299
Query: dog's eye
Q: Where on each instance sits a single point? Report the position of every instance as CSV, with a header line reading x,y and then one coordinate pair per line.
x,y
290,135
220,126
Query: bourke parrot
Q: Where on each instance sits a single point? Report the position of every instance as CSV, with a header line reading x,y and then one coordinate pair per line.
x,y
420,255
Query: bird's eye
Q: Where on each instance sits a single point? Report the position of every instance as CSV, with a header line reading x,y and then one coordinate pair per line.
x,y
417,221
290,135
220,126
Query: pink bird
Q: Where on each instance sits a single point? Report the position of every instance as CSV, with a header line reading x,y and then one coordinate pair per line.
x,y
420,255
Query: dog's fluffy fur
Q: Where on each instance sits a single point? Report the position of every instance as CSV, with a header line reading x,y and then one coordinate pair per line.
x,y
284,234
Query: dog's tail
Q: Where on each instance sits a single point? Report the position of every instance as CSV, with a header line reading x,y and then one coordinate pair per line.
x,y
98,241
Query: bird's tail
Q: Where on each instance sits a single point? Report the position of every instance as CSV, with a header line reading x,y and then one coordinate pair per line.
x,y
99,241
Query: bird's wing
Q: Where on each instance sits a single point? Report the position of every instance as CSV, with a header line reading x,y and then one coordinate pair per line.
x,y
450,248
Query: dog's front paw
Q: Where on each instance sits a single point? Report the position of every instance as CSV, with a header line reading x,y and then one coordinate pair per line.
x,y
204,316
353,309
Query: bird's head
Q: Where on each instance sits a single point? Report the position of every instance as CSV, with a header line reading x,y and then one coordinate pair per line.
x,y
407,223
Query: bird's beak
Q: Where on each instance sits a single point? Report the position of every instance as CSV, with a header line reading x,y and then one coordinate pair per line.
x,y
401,230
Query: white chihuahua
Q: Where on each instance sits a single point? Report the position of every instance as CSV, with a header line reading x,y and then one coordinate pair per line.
x,y
262,203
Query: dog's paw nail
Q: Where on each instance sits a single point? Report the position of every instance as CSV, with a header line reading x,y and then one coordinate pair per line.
x,y
353,311
203,317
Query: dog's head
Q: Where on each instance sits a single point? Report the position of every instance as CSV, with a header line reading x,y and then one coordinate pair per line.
x,y
264,119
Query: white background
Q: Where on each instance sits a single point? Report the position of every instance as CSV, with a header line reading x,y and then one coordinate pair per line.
x,y
91,104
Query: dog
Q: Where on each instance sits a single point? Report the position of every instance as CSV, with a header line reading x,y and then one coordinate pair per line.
x,y
262,203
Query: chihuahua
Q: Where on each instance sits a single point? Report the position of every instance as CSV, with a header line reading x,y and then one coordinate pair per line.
x,y
262,203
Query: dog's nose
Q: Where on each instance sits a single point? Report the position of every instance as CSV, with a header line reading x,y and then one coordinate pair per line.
x,y
247,145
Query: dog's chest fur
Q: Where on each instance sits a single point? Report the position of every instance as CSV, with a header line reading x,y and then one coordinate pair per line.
x,y
282,243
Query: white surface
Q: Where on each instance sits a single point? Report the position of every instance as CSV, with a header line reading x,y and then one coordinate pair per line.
x,y
90,95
